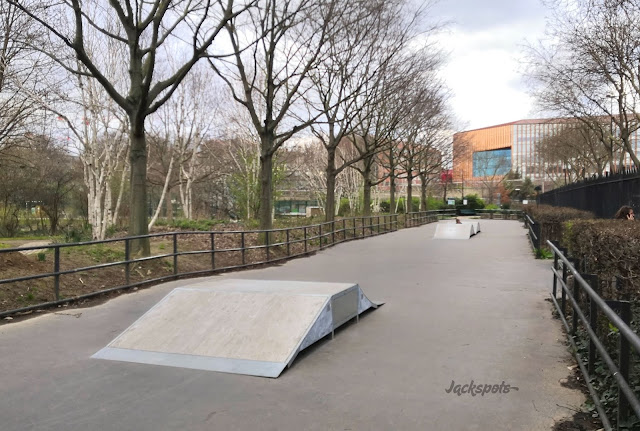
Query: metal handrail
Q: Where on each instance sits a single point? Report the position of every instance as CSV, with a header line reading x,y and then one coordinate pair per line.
x,y
597,303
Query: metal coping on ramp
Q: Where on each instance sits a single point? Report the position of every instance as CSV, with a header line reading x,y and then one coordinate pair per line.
x,y
252,327
454,230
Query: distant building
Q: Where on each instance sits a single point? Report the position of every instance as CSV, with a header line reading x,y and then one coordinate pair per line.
x,y
496,150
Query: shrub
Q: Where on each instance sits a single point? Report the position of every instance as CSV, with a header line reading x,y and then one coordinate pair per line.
x,y
473,202
77,233
345,207
609,248
552,219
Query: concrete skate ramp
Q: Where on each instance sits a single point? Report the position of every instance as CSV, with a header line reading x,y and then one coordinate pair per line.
x,y
475,225
454,231
238,326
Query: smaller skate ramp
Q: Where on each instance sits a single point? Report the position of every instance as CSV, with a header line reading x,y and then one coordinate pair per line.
x,y
475,224
250,327
454,231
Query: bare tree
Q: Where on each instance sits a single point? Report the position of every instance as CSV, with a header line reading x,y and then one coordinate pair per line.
x,y
390,103
185,123
589,69
572,153
19,69
365,42
491,167
270,77
142,28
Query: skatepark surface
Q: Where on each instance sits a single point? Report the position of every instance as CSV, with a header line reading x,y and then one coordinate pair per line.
x,y
455,312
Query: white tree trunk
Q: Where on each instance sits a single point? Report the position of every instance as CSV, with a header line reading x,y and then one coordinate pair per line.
x,y
164,193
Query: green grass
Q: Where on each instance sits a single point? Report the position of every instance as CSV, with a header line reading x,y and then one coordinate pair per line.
x,y
542,253
101,253
195,225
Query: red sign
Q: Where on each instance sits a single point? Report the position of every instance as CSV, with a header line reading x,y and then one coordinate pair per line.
x,y
446,175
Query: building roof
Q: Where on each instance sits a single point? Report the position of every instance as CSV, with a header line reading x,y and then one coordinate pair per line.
x,y
514,123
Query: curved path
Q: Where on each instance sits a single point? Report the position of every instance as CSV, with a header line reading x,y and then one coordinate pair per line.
x,y
455,311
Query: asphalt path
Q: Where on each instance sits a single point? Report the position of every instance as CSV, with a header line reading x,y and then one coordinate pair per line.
x,y
456,312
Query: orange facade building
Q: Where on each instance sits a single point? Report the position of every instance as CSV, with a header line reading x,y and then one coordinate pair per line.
x,y
496,150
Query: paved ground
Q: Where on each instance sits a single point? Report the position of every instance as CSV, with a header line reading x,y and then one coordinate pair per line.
x,y
455,310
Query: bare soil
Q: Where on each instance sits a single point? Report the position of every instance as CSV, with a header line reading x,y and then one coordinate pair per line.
x,y
227,244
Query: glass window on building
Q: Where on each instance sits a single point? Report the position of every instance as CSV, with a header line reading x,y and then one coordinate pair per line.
x,y
491,163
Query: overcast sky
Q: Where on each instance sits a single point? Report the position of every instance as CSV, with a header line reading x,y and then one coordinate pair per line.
x,y
484,41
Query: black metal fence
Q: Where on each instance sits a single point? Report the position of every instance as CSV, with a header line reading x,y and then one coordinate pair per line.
x,y
183,254
584,289
500,214
600,195
534,231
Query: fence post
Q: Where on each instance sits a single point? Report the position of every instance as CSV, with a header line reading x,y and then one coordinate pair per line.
x,y
625,352
266,237
56,270
127,258
593,320
288,244
576,296
213,250
333,232
344,229
363,234
378,224
563,301
555,277
320,235
175,254
305,239
242,247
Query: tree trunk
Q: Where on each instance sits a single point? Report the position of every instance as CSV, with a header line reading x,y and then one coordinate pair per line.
x,y
165,191
106,211
169,205
409,203
116,210
367,190
138,224
266,189
423,193
444,197
392,191
330,210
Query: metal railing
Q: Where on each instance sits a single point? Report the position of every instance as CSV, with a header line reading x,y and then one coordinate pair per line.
x,y
208,253
501,213
627,400
419,218
534,231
